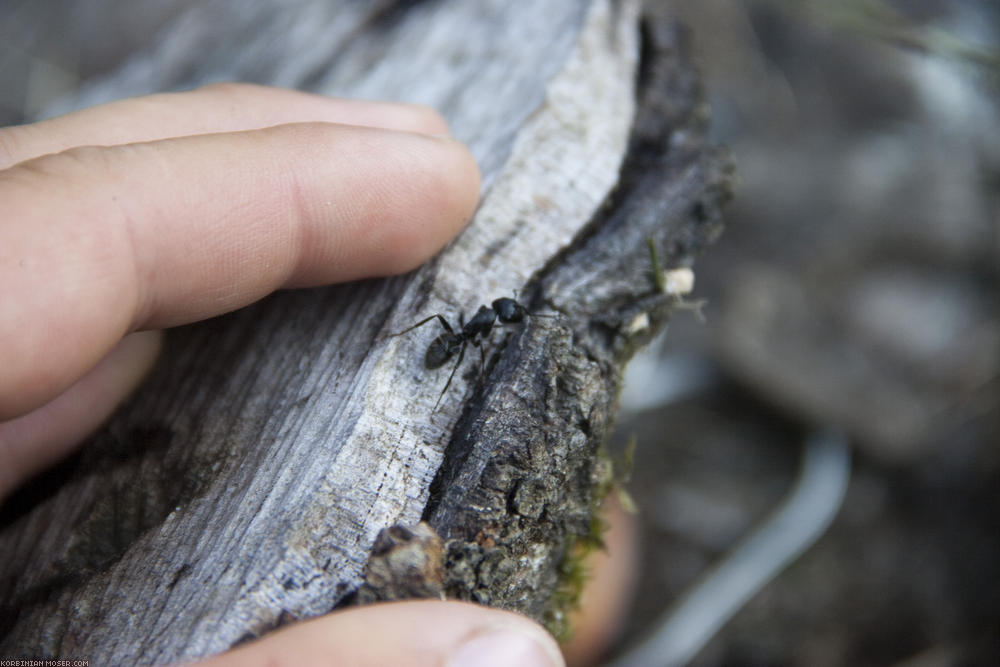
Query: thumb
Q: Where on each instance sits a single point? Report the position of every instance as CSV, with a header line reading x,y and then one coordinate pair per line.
x,y
421,633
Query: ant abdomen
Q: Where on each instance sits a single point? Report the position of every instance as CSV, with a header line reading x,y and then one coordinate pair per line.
x,y
441,350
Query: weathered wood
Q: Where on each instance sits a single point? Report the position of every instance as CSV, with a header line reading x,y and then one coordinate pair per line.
x,y
246,483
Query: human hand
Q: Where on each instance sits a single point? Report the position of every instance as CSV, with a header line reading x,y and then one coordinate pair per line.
x,y
405,634
157,211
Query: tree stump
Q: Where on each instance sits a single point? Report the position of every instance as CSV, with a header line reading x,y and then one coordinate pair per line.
x,y
247,482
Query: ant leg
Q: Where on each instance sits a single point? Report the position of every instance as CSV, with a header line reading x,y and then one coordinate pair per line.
x,y
461,355
421,323
482,353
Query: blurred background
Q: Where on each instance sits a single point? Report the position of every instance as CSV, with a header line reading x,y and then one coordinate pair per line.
x,y
855,288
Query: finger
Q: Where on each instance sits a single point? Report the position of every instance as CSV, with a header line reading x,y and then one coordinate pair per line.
x,y
407,634
217,108
604,603
34,441
163,233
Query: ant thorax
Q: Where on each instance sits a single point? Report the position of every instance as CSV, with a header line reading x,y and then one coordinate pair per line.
x,y
481,323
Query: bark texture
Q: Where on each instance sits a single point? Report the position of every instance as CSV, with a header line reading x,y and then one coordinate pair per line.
x,y
247,483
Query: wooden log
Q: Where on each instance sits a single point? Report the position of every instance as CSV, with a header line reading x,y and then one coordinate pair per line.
x,y
246,484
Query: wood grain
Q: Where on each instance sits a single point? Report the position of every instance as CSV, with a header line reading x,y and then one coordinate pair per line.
x,y
245,484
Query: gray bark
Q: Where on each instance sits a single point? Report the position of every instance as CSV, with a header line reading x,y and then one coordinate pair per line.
x,y
245,485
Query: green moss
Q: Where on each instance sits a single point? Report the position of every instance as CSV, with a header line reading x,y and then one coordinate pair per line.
x,y
573,576
609,477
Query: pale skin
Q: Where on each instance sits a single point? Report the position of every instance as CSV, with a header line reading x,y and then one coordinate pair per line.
x,y
124,219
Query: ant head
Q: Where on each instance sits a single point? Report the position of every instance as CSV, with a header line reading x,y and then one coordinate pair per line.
x,y
509,310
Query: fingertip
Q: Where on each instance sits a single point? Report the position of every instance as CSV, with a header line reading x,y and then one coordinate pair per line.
x,y
413,633
417,118
402,198
468,180
451,186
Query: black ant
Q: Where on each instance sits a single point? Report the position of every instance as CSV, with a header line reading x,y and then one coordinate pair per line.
x,y
475,331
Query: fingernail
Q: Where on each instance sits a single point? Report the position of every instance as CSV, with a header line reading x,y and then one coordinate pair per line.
x,y
504,648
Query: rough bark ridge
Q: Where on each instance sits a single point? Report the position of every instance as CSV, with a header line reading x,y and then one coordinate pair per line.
x,y
245,485
516,489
